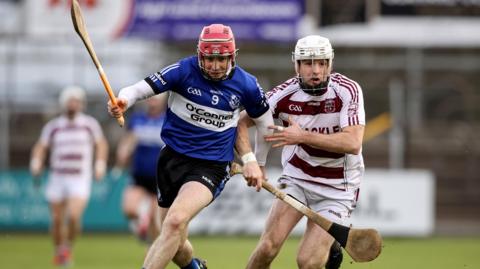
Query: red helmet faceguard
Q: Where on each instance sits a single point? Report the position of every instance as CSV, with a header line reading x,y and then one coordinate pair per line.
x,y
217,40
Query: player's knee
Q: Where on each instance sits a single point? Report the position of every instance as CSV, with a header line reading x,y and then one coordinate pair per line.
x,y
75,218
269,249
175,222
310,262
57,220
129,211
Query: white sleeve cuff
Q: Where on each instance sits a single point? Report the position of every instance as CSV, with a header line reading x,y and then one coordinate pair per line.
x,y
138,91
262,147
248,157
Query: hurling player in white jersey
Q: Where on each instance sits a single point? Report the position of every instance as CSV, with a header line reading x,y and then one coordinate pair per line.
x,y
75,142
321,129
206,93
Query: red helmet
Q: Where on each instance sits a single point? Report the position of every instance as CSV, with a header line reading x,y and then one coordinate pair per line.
x,y
217,40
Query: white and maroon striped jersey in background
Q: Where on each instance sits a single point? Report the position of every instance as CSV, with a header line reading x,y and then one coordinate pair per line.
x,y
71,145
340,106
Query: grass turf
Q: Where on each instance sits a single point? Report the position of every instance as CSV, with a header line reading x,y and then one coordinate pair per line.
x,y
95,251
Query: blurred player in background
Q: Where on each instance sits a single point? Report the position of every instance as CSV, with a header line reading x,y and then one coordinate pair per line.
x,y
207,92
76,142
323,120
142,144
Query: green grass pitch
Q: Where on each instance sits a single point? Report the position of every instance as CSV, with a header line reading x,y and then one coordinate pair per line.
x,y
119,251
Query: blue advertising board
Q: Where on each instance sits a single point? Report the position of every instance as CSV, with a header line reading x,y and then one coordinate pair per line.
x,y
267,20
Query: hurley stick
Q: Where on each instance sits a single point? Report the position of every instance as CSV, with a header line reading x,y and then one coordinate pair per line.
x,y
81,29
363,245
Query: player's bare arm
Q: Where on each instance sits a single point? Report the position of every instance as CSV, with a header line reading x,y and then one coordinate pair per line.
x,y
101,155
37,159
251,171
125,148
349,140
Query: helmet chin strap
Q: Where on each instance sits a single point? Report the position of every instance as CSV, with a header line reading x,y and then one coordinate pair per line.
x,y
228,73
318,90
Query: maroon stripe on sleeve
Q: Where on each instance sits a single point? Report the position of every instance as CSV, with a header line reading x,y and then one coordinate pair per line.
x,y
317,171
353,121
354,86
349,84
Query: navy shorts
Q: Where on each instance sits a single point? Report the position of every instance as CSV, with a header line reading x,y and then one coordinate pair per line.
x,y
147,183
175,169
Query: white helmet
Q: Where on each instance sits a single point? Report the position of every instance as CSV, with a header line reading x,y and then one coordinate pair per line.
x,y
313,47
71,92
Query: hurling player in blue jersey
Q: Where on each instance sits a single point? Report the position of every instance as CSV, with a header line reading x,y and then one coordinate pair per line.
x,y
206,94
140,146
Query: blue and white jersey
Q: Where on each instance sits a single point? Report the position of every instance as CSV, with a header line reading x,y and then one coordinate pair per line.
x,y
149,143
202,114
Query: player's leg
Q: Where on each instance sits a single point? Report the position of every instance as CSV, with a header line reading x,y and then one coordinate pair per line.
x,y
185,251
191,199
335,257
76,192
314,247
54,193
318,248
148,221
154,225
131,200
76,207
137,207
280,222
57,214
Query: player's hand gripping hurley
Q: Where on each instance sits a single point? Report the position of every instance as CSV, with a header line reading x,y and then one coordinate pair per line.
x,y
81,29
363,245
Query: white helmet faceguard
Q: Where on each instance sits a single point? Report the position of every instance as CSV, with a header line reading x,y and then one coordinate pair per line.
x,y
71,92
313,47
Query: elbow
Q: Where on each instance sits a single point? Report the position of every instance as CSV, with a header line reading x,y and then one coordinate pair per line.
x,y
354,148
354,151
245,121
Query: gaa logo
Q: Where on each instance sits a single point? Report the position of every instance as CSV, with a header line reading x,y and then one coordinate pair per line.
x,y
295,108
194,91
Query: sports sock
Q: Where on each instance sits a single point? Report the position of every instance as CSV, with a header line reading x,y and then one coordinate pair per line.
x,y
191,265
194,264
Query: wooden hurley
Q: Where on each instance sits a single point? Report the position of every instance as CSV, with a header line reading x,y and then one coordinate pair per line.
x,y
81,29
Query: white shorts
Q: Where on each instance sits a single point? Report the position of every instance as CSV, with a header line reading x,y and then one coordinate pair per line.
x,y
335,205
61,188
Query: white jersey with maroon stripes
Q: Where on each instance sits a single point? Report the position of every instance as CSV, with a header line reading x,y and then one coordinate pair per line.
x,y
71,144
340,106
